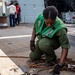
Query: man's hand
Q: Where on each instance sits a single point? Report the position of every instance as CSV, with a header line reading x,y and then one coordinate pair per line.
x,y
32,45
57,68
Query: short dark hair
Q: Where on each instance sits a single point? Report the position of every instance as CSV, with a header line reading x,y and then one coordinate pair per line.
x,y
50,12
16,4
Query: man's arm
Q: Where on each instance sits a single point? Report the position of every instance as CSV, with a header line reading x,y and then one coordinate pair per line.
x,y
33,35
32,41
60,64
63,56
64,42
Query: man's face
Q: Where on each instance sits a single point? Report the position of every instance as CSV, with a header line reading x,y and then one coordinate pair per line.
x,y
49,22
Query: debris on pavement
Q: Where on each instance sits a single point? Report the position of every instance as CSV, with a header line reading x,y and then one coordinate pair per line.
x,y
69,66
33,71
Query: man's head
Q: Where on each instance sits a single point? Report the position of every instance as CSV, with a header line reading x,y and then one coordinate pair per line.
x,y
16,4
50,13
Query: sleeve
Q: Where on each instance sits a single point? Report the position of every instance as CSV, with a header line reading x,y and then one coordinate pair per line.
x,y
63,39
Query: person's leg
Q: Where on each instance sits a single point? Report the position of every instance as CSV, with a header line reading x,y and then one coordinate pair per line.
x,y
48,46
10,20
13,16
37,54
18,18
15,21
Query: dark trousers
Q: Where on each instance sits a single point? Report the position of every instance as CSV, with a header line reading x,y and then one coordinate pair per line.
x,y
17,20
12,20
45,46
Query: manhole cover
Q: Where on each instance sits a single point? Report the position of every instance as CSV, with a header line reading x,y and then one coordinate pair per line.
x,y
12,71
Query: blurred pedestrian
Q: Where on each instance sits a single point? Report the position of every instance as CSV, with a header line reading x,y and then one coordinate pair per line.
x,y
12,12
18,14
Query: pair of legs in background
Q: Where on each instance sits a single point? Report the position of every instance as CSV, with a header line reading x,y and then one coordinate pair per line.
x,y
45,46
12,20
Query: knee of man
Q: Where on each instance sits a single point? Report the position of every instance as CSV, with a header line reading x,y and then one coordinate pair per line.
x,y
33,56
44,45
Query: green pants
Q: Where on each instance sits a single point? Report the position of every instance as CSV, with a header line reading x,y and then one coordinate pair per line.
x,y
45,46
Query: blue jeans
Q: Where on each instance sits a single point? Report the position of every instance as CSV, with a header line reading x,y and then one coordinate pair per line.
x,y
12,20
